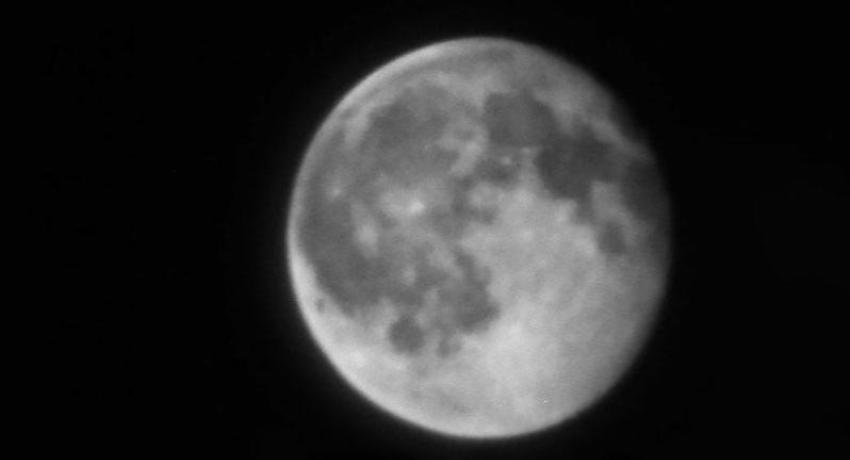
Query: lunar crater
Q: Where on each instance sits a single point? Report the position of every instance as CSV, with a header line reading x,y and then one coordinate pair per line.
x,y
489,251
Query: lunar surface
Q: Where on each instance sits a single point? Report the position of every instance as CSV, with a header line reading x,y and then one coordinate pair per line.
x,y
477,244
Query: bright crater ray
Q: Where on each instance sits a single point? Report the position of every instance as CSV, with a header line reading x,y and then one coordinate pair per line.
x,y
475,244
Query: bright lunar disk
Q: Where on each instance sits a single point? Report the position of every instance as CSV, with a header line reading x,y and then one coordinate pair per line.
x,y
476,244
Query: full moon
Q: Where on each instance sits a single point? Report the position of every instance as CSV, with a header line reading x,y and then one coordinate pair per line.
x,y
477,243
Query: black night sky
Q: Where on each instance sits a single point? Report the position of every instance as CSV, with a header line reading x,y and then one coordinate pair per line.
x,y
171,148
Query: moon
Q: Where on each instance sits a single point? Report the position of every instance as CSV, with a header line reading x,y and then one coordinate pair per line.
x,y
477,243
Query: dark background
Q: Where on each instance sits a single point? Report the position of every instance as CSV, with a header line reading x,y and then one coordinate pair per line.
x,y
171,149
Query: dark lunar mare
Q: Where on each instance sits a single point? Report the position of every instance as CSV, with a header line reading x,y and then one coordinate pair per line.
x,y
517,119
400,139
463,307
405,335
399,143
567,163
355,281
501,167
611,239
643,190
350,278
469,306
645,196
